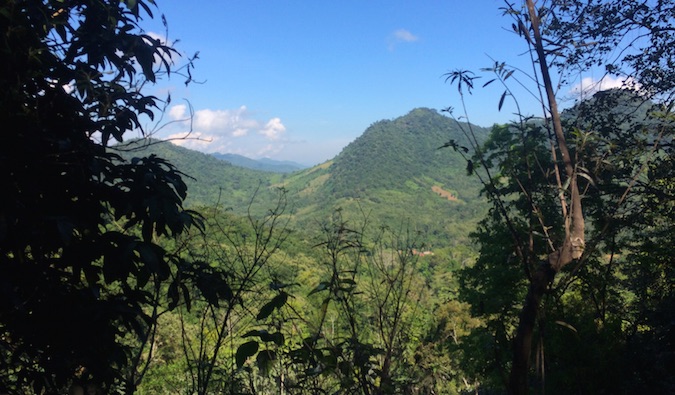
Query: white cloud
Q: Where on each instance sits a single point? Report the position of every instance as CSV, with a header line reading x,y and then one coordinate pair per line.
x,y
273,129
405,36
157,36
401,36
178,112
239,132
589,86
228,121
226,130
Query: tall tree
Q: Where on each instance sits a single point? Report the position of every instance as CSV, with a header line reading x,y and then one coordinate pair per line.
x,y
586,34
82,272
563,38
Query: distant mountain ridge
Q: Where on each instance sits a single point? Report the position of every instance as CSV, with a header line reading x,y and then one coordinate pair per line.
x,y
263,164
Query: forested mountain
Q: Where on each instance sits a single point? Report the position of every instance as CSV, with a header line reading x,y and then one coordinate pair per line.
x,y
210,180
394,173
403,154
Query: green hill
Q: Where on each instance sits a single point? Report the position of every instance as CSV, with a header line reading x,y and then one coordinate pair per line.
x,y
211,181
394,174
403,154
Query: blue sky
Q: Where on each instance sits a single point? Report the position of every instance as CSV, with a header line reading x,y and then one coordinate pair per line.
x,y
299,80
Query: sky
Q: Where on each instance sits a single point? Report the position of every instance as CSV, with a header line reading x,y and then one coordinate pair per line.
x,y
299,80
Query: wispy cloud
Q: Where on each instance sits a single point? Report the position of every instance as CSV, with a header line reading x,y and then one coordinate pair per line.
x,y
589,85
404,35
401,36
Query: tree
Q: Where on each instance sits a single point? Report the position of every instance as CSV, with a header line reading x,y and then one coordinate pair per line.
x,y
243,251
548,237
82,270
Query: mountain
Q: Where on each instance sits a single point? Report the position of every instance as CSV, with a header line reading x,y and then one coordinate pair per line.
x,y
264,164
394,175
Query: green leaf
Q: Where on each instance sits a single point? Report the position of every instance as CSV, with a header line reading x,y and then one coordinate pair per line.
x,y
131,4
323,285
587,177
245,351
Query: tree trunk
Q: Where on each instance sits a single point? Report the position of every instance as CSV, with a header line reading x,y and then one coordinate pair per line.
x,y
522,343
572,245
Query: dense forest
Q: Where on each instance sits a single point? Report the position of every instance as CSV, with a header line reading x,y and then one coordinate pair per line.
x,y
431,256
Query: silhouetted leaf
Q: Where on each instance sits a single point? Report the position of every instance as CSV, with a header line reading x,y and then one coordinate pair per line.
x,y
489,82
501,101
245,351
276,303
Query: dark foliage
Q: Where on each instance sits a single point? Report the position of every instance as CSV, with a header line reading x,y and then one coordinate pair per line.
x,y
81,270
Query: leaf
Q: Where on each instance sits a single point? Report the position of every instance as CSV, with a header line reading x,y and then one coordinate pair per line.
x,y
567,183
501,101
588,177
245,351
566,325
508,74
173,295
524,31
253,332
323,285
489,82
469,167
276,337
276,303
186,296
265,311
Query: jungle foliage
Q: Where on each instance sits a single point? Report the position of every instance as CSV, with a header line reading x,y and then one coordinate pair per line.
x,y
159,270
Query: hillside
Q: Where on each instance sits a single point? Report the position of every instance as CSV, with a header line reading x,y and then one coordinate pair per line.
x,y
394,174
210,180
